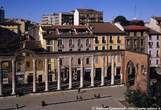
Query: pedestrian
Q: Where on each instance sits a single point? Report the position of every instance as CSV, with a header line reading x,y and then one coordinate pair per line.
x,y
78,90
103,106
17,106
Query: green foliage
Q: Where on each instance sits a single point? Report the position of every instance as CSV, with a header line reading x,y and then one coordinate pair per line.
x,y
140,23
137,99
122,20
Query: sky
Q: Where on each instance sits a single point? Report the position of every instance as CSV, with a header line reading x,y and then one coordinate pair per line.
x,y
34,9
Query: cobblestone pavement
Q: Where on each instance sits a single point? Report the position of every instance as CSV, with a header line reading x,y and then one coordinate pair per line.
x,y
67,100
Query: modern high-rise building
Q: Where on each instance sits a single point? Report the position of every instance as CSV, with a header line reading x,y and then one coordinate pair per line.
x,y
64,18
84,16
2,14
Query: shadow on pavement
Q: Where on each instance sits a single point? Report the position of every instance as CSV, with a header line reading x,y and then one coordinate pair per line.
x,y
80,98
15,108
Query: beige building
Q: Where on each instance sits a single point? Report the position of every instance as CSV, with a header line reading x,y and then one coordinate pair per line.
x,y
69,60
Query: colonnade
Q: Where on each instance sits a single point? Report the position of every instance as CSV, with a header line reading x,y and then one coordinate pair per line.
x,y
103,72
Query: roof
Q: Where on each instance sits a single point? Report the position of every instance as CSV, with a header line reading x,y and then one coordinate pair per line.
x,y
64,27
8,23
102,28
135,28
153,32
87,10
33,45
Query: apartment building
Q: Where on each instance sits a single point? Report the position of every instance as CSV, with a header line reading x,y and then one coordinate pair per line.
x,y
2,14
154,23
69,39
85,16
64,18
108,38
154,48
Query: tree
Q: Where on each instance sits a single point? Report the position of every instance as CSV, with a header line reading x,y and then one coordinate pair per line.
x,y
137,22
122,20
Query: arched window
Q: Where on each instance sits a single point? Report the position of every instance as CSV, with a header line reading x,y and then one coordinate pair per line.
x,y
70,42
79,61
87,42
87,60
79,42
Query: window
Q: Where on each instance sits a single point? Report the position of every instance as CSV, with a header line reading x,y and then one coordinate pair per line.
x,y
150,53
70,42
157,55
28,64
49,67
118,47
60,42
158,45
118,39
157,62
103,39
150,44
87,42
135,43
87,60
103,48
61,62
138,34
111,39
96,40
157,37
150,62
79,42
79,61
110,47
150,37
96,48
142,42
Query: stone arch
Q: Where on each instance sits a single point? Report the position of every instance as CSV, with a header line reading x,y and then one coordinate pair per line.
x,y
131,72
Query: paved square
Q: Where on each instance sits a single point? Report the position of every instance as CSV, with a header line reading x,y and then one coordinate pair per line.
x,y
67,100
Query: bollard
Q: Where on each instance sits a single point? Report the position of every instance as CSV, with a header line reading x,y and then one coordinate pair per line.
x,y
43,103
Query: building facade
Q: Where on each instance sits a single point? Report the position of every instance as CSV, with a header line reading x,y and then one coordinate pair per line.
x,y
85,16
154,48
2,14
136,39
70,58
58,19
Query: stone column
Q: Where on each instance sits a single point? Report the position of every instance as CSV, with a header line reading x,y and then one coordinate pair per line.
x,y
81,74
112,71
46,75
13,77
34,75
0,78
70,72
103,70
58,75
92,71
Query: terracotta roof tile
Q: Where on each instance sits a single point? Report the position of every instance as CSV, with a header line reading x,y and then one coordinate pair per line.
x,y
105,28
135,28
